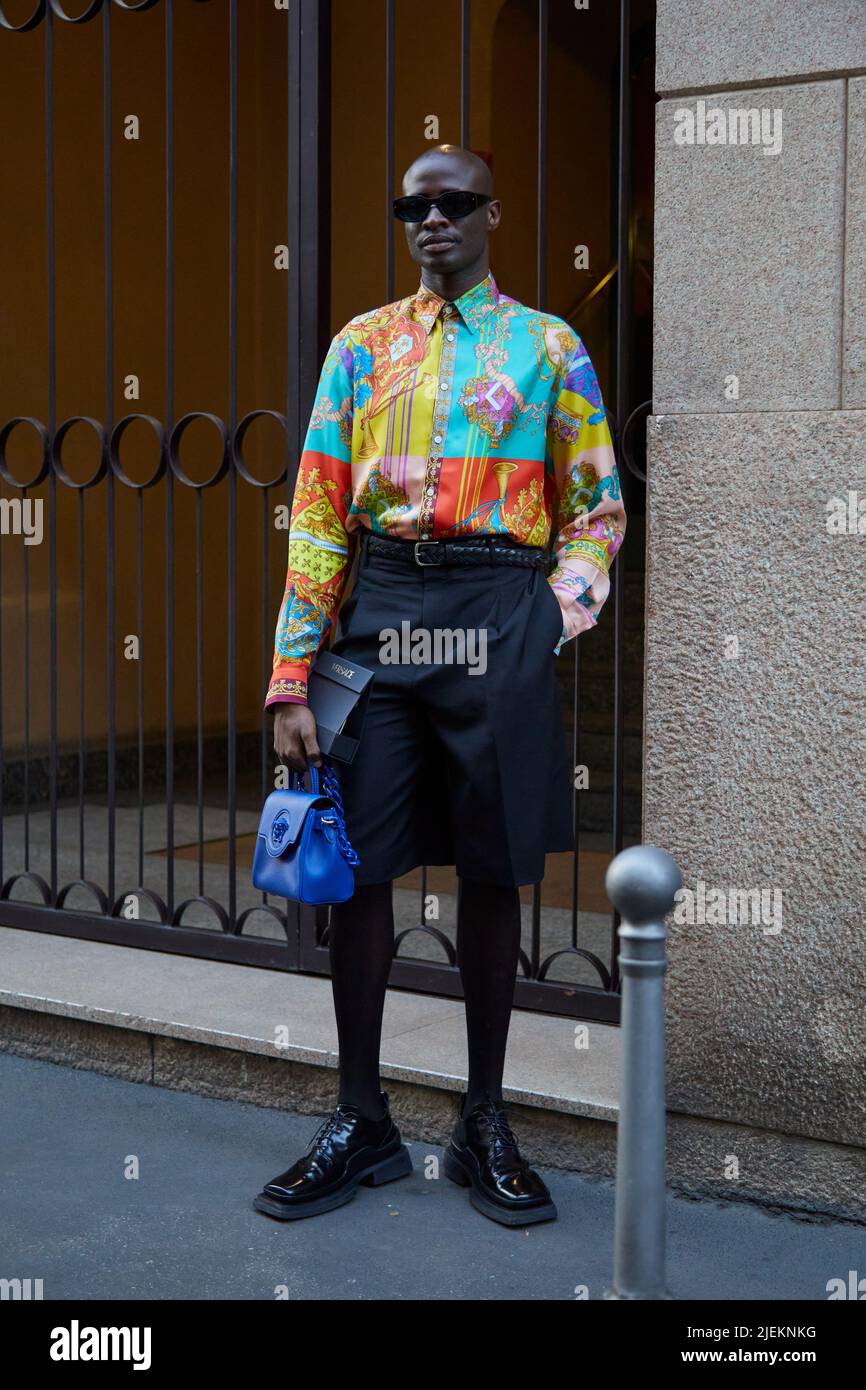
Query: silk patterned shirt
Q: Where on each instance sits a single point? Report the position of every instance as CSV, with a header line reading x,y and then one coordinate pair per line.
x,y
441,419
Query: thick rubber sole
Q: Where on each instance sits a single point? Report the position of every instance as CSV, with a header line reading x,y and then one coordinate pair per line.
x,y
465,1176
397,1165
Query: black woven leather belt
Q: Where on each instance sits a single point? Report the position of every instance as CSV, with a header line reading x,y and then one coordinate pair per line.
x,y
466,550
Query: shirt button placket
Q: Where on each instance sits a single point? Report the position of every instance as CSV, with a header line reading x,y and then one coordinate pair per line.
x,y
440,421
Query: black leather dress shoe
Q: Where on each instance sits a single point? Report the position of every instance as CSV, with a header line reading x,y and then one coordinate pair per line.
x,y
482,1153
346,1150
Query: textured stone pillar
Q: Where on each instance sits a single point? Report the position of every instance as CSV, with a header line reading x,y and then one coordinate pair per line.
x,y
755,720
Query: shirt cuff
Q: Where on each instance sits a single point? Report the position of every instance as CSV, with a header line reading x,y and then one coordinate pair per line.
x,y
287,690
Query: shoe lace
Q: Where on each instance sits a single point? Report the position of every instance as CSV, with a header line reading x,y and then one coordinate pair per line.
x,y
327,1127
500,1129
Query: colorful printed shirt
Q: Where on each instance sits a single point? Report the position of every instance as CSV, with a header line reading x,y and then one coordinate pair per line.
x,y
440,419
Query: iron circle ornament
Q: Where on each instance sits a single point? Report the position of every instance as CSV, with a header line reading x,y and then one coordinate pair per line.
x,y
430,933
644,409
281,918
590,956
86,15
202,901
36,18
114,450
94,888
238,450
95,6
46,455
177,434
26,876
56,452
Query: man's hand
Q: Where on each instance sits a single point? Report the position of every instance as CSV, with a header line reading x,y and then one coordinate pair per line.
x,y
295,739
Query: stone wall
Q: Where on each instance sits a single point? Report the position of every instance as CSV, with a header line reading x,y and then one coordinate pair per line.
x,y
755,704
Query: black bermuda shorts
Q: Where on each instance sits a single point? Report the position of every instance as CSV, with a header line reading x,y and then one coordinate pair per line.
x,y
462,758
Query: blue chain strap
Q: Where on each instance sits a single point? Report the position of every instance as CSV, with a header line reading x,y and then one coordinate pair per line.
x,y
331,788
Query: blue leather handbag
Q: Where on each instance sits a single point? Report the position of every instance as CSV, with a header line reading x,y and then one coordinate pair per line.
x,y
302,850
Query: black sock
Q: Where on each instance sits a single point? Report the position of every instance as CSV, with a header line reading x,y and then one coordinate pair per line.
x,y
488,946
361,945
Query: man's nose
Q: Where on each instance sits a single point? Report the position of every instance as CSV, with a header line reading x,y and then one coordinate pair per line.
x,y
434,221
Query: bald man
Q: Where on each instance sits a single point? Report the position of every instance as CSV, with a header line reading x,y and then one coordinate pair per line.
x,y
457,436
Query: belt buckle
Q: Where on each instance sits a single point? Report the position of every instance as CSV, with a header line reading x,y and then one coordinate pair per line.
x,y
425,564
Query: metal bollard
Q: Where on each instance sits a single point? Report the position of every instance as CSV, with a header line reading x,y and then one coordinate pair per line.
x,y
641,883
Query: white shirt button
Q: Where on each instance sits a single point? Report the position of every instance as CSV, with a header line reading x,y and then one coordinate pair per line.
x,y
450,337
444,385
430,491
437,439
425,535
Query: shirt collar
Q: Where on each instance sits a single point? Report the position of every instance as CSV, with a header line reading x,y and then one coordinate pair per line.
x,y
473,305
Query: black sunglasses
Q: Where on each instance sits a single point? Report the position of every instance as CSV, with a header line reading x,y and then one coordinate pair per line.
x,y
453,205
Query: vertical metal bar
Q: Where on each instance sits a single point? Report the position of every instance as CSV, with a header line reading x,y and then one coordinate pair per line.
x,y
26,594
541,246
540,299
110,679
2,757
623,388
231,654
52,679
49,202
314,195
312,62
111,654
623,218
82,680
267,784
422,919
52,478
169,477
575,798
199,684
465,70
535,952
294,432
642,883
139,625
294,422
458,906
389,149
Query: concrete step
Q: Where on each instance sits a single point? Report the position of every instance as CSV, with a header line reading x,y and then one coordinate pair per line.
x,y
289,1017
267,1037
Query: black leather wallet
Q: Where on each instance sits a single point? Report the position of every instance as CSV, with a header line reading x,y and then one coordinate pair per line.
x,y
338,693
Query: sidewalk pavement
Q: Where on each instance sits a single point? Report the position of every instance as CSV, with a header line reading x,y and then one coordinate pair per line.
x,y
185,1228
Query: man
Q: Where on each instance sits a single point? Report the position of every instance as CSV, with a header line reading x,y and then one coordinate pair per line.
x,y
449,430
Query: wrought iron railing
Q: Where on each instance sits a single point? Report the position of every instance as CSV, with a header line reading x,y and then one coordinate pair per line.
x,y
96,841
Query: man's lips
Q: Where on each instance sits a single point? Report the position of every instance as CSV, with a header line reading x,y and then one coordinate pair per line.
x,y
437,243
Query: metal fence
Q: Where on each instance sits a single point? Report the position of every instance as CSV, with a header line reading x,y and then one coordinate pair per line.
x,y
98,841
